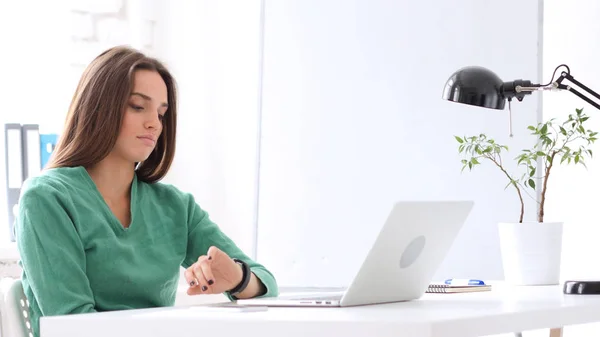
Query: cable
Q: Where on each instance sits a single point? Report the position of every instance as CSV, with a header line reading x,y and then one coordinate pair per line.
x,y
554,74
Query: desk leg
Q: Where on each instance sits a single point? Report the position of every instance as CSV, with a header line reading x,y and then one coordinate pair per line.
x,y
557,332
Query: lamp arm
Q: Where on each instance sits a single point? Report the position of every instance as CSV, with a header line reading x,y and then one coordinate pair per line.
x,y
565,75
520,88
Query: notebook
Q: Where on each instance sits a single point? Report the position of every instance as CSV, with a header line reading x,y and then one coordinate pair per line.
x,y
447,288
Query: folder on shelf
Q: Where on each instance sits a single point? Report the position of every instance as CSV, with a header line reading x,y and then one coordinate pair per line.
x,y
13,154
31,146
47,145
23,158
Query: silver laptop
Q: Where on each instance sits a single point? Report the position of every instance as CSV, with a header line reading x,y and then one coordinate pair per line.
x,y
400,265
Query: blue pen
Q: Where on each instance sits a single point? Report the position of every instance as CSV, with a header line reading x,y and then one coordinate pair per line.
x,y
464,282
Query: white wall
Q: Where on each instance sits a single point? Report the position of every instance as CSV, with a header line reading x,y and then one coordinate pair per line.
x,y
353,120
571,34
46,46
33,59
571,30
213,48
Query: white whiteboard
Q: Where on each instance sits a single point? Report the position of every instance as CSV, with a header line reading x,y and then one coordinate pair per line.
x,y
353,120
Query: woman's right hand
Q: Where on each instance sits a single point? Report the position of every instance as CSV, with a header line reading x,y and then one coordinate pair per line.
x,y
213,273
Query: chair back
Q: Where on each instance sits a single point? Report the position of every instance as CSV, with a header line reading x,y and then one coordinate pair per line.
x,y
14,311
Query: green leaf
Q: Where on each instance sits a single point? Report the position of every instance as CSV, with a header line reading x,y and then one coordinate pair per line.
x,y
576,159
544,129
531,127
532,172
531,183
563,131
474,161
458,139
546,141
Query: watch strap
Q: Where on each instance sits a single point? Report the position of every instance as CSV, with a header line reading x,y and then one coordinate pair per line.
x,y
246,276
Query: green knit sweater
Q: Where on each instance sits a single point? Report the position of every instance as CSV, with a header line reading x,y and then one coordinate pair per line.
x,y
78,258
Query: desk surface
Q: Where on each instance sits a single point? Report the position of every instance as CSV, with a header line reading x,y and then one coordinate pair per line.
x,y
503,310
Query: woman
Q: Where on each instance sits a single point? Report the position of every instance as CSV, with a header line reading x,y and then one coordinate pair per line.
x,y
96,230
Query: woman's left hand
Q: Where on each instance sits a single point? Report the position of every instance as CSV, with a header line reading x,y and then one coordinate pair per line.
x,y
213,273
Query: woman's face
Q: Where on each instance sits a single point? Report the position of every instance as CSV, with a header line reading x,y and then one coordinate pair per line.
x,y
142,122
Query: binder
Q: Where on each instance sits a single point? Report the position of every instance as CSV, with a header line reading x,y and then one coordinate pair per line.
x,y
47,145
23,160
31,145
13,149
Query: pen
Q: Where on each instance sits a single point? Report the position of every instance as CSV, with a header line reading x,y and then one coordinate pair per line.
x,y
464,282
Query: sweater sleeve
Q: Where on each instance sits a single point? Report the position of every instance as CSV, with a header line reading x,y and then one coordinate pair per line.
x,y
52,253
203,233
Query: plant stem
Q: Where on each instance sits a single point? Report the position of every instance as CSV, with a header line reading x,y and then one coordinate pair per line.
x,y
544,186
524,188
549,164
514,184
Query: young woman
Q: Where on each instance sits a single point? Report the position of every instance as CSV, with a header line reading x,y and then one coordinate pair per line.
x,y
96,230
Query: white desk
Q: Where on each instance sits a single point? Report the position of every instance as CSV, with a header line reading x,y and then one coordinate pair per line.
x,y
503,310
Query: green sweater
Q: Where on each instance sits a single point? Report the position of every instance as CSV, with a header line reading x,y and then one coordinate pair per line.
x,y
78,258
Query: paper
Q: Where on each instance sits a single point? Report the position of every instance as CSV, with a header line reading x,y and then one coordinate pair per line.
x,y
228,307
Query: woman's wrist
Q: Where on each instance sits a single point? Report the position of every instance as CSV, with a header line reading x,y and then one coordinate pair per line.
x,y
255,288
249,285
244,279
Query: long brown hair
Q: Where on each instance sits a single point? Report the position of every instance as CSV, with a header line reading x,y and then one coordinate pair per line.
x,y
94,118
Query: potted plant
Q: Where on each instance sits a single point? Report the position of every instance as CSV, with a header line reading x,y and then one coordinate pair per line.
x,y
531,251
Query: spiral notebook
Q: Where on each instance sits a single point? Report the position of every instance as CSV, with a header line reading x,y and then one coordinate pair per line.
x,y
447,288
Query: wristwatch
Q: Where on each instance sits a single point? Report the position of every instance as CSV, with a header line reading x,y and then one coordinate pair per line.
x,y
245,279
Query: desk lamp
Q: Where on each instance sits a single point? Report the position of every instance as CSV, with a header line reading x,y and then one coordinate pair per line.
x,y
481,87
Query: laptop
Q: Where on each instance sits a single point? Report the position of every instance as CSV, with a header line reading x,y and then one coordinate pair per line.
x,y
402,261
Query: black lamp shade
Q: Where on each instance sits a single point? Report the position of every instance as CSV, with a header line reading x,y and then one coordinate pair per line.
x,y
475,86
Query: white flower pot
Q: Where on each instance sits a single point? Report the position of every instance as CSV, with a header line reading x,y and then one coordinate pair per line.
x,y
531,252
